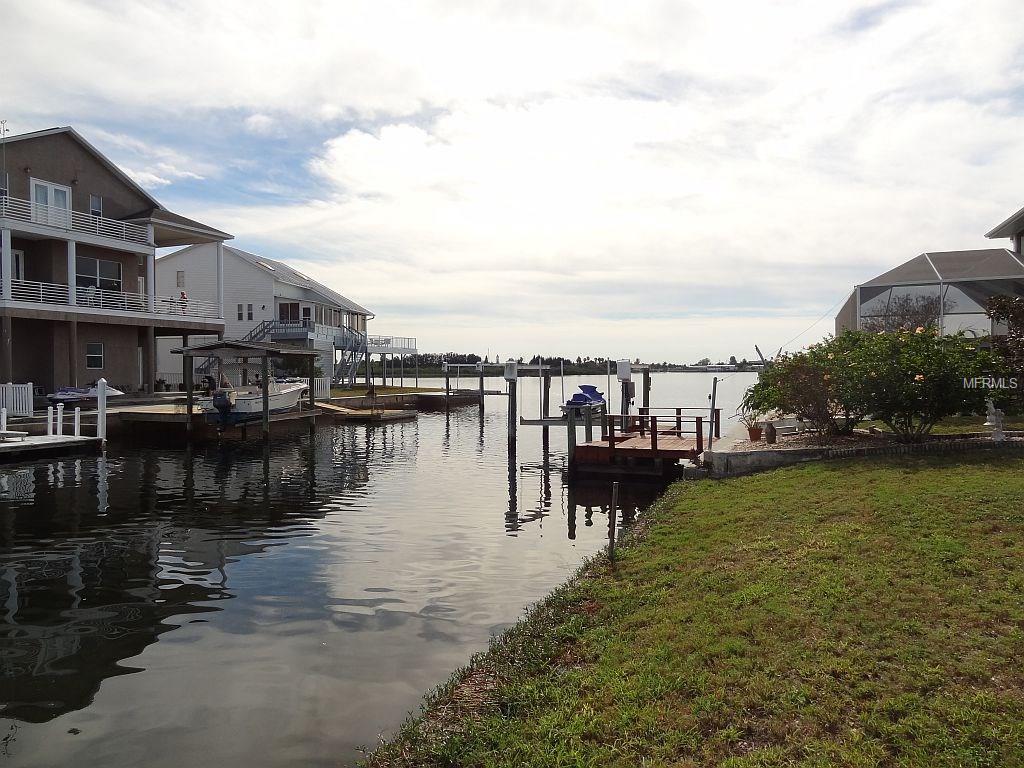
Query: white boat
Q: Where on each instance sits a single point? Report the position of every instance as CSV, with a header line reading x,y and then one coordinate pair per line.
x,y
233,406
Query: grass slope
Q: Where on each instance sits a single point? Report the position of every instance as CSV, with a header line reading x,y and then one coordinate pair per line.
x,y
851,613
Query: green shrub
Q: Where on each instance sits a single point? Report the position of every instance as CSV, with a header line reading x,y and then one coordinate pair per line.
x,y
907,379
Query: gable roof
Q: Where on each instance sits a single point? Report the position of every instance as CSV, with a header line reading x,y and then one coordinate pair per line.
x,y
110,166
287,274
933,267
284,273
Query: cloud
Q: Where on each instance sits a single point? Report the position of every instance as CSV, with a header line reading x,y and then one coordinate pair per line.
x,y
660,176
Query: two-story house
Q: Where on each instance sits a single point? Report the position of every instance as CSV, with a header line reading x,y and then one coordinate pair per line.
x,y
78,297
266,300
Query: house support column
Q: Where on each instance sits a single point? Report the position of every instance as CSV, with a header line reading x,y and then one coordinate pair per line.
x,y
6,347
72,353
1016,242
186,360
149,359
72,277
151,282
220,280
6,264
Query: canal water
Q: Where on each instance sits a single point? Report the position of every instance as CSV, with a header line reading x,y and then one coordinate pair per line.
x,y
239,607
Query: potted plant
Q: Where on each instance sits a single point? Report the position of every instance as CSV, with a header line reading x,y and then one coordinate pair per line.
x,y
160,385
751,419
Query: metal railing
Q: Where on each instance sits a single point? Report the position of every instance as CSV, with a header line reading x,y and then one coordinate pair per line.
x,y
72,221
100,298
407,343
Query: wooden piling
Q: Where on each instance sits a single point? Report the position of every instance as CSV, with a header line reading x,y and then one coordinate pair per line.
x,y
189,372
513,414
570,416
265,386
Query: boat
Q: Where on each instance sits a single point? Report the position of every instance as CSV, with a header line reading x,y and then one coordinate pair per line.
x,y
588,396
228,406
80,394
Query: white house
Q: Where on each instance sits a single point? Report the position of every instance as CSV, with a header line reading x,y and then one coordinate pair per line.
x,y
264,299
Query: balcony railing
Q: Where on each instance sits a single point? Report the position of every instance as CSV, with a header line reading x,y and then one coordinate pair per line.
x,y
398,343
72,221
99,298
344,338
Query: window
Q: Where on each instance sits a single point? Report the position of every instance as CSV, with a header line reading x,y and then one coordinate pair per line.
x,y
240,315
248,311
94,355
180,278
98,273
288,312
95,205
3,184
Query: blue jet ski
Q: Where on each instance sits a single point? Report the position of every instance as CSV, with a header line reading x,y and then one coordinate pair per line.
x,y
587,396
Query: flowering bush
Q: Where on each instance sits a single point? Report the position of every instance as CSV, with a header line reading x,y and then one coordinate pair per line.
x,y
909,380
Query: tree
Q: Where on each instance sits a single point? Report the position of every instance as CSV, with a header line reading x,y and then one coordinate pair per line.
x,y
704,361
909,380
732,360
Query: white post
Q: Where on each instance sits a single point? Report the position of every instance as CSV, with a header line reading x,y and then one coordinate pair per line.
x,y
101,409
60,419
3,419
78,421
151,280
72,274
49,421
220,280
6,264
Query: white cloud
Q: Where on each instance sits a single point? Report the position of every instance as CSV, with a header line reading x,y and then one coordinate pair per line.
x,y
714,174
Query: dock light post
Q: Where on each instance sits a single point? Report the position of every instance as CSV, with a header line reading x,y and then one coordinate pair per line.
x,y
480,371
447,384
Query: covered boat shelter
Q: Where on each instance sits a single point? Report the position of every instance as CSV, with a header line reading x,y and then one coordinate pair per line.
x,y
240,353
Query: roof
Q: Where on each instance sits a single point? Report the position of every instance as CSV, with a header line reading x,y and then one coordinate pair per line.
x,y
945,266
292,276
231,348
91,149
1010,227
170,229
174,234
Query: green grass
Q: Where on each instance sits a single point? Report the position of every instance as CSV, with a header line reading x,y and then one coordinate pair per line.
x,y
958,424
850,613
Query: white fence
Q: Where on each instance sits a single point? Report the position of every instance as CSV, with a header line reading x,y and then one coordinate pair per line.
x,y
321,387
16,398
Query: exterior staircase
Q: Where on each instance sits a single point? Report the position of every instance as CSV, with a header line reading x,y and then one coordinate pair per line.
x,y
352,345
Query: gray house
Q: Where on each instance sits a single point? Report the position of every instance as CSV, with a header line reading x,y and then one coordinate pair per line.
x,y
948,289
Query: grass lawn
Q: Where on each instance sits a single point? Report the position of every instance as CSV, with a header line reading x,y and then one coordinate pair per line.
x,y
360,390
853,613
957,424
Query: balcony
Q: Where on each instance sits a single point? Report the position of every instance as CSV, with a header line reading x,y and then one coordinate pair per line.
x,y
342,338
392,345
98,300
72,221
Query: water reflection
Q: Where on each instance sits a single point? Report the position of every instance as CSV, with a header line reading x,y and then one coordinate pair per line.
x,y
271,606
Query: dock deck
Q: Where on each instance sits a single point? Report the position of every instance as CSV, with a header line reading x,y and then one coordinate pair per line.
x,y
40,446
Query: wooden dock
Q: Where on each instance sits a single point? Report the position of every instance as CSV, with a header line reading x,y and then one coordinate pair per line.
x,y
42,446
366,415
645,444
157,418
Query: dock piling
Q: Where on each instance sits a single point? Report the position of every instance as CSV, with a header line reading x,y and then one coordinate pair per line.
x,y
570,417
78,421
3,419
60,419
101,408
265,387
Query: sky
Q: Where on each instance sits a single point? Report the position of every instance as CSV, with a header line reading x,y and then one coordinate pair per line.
x,y
662,180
